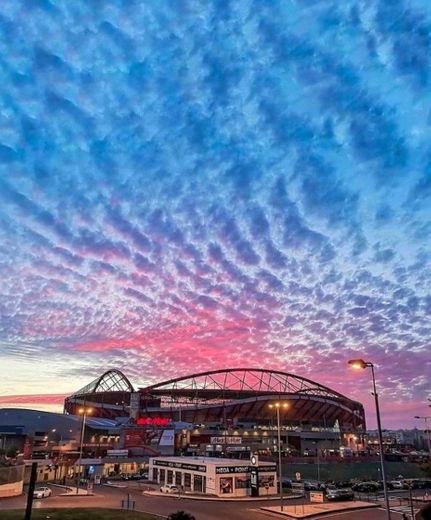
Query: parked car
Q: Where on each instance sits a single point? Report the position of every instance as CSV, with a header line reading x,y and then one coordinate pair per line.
x,y
42,492
366,487
343,484
310,486
334,494
286,483
397,484
169,488
420,484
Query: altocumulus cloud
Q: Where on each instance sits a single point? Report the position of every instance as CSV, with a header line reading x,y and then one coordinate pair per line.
x,y
189,185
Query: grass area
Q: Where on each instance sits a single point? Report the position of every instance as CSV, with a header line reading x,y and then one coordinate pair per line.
x,y
75,514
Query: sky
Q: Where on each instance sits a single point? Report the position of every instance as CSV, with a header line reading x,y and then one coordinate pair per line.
x,y
193,185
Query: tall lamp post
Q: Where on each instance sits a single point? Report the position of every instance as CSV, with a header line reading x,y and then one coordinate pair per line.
x,y
84,412
360,364
277,406
425,419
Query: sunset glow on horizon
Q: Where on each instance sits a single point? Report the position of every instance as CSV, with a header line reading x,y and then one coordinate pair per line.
x,y
193,186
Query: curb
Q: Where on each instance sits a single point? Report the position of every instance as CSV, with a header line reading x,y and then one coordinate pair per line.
x,y
321,513
220,499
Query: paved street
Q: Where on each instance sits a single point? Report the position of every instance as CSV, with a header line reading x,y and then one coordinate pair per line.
x,y
203,510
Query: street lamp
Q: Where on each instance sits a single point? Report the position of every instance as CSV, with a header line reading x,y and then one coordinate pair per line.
x,y
425,419
84,412
360,364
277,406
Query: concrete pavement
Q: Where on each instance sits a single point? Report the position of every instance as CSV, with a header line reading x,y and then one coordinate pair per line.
x,y
165,505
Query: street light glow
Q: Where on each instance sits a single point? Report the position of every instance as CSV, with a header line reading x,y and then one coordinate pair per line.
x,y
358,364
279,405
85,411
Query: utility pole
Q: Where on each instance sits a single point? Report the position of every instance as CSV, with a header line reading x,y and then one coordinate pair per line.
x,y
31,486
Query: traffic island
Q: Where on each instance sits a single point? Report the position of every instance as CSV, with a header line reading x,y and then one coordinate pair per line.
x,y
310,510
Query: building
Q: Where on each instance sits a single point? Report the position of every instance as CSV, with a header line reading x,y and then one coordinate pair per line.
x,y
39,434
213,476
226,412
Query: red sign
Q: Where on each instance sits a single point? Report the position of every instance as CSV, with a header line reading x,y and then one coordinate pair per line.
x,y
153,421
28,448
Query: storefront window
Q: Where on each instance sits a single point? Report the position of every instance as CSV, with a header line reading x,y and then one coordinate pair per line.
x,y
170,477
266,481
155,474
162,476
197,483
242,482
226,485
178,478
187,481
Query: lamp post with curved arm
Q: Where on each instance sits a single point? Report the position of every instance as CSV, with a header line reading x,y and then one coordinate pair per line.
x,y
427,431
84,412
360,364
277,406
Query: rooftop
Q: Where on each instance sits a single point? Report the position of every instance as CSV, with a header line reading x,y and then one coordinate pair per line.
x,y
211,460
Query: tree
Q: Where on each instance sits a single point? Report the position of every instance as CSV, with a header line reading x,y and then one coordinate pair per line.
x,y
12,452
181,515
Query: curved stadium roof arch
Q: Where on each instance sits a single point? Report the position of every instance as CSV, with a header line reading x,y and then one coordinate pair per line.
x,y
240,393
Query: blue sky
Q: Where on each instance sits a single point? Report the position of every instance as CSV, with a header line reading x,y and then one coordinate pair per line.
x,y
192,185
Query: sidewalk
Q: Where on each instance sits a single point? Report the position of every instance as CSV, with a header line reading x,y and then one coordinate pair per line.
x,y
71,491
310,510
210,498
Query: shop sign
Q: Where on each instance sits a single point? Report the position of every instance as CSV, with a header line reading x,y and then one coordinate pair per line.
x,y
226,440
153,421
223,470
316,496
179,465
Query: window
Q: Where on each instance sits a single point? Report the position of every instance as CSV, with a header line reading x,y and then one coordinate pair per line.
x,y
226,485
162,476
170,476
187,481
178,479
197,483
155,474
242,482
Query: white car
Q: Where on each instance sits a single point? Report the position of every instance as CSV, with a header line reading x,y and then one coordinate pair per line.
x,y
169,488
397,484
42,492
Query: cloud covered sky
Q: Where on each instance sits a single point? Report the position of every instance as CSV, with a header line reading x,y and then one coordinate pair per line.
x,y
196,185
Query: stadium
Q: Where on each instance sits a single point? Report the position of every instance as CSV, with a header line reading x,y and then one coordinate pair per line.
x,y
230,402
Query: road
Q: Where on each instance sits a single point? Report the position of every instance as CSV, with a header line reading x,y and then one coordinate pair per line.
x,y
164,505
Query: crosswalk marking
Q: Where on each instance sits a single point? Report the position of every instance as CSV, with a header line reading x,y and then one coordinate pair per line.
x,y
399,508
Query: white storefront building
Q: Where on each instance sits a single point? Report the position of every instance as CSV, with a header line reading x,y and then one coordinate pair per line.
x,y
213,476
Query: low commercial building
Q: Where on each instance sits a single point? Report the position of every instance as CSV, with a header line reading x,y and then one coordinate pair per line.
x,y
213,476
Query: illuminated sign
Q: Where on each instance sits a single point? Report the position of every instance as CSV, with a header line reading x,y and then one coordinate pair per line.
x,y
226,440
153,421
179,465
243,469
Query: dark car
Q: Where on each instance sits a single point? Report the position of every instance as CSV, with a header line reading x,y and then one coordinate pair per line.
x,y
333,494
343,484
420,484
366,487
310,486
286,483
